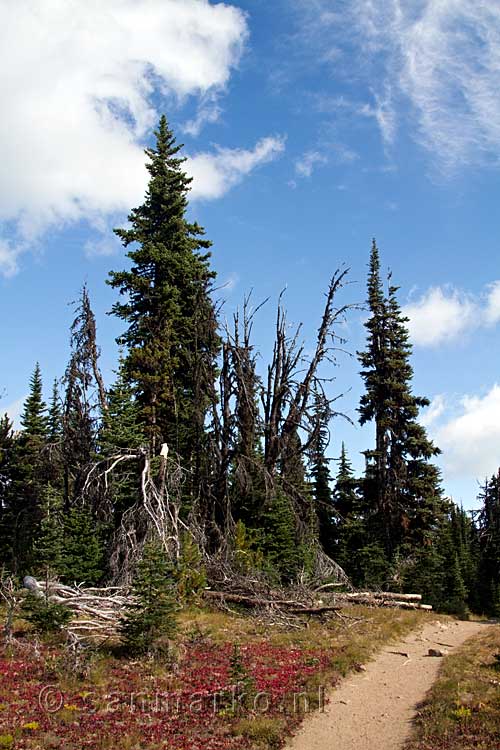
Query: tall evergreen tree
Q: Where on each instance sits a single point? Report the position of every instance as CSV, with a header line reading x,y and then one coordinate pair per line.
x,y
55,416
171,338
345,496
320,473
489,536
83,555
401,486
48,543
30,473
34,415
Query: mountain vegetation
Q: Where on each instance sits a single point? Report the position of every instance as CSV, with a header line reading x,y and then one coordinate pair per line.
x,y
198,462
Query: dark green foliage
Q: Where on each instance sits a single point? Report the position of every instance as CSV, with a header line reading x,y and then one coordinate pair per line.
x,y
346,498
247,546
151,619
280,545
48,544
320,474
55,416
45,616
121,428
30,474
171,339
83,555
34,416
434,568
489,541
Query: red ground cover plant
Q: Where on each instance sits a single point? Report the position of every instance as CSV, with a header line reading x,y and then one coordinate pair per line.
x,y
137,704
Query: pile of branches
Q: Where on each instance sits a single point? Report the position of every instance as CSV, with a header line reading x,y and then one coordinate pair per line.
x,y
96,612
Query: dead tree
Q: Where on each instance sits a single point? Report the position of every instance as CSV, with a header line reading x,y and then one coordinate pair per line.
x,y
293,379
85,399
155,513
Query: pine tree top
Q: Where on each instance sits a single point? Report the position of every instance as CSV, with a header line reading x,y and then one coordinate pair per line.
x,y
34,416
54,421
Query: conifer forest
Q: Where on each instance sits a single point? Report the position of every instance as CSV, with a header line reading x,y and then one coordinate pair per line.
x,y
200,463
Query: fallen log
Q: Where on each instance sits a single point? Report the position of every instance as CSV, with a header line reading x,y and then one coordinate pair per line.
x,y
295,607
385,595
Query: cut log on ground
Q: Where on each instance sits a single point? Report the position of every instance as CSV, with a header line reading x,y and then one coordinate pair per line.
x,y
338,601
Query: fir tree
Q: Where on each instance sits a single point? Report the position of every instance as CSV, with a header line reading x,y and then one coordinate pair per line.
x,y
152,615
489,539
83,556
30,473
48,544
34,414
171,339
281,548
401,486
320,473
345,496
55,416
121,427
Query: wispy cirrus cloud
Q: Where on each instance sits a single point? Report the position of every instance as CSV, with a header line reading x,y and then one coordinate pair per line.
x,y
443,56
438,65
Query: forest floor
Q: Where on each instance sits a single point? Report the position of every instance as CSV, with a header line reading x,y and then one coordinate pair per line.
x,y
376,708
49,699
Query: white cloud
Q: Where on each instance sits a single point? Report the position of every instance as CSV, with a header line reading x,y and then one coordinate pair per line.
x,y
77,81
471,441
383,112
436,409
214,174
307,163
440,315
492,309
8,258
444,57
208,113
443,314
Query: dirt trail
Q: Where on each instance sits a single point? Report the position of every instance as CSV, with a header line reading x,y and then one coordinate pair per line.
x,y
373,710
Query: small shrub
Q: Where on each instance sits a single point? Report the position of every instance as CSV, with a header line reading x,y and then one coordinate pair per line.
x,y
150,620
45,616
6,741
242,681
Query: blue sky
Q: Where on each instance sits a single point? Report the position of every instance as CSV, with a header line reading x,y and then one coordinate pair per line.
x,y
310,126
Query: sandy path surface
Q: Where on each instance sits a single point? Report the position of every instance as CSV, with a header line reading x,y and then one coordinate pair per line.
x,y
373,710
